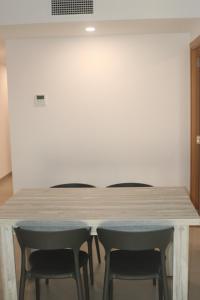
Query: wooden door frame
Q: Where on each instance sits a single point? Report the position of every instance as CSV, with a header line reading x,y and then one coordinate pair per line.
x,y
195,124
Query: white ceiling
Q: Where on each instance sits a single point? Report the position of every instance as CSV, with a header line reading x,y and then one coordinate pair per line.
x,y
39,11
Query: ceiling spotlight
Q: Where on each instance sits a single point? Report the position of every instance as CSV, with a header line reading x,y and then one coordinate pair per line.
x,y
90,29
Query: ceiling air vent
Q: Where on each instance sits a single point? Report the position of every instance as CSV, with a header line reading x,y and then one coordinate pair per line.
x,y
72,7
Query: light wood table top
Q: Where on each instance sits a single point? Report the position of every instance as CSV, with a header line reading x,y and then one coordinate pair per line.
x,y
94,205
155,205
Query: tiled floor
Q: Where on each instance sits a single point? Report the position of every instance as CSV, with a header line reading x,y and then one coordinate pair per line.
x,y
126,290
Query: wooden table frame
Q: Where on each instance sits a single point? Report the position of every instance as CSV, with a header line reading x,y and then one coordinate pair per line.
x,y
138,206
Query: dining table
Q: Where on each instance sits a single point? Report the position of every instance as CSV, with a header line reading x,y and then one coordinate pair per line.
x,y
162,206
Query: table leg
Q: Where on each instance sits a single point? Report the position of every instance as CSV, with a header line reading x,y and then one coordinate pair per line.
x,y
180,262
8,263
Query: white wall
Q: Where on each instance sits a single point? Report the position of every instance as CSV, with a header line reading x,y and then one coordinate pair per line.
x,y
39,11
118,110
5,162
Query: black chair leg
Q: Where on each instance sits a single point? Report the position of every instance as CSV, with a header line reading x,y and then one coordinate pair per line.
x,y
37,288
89,242
79,286
22,286
106,283
97,248
111,289
85,276
165,288
160,289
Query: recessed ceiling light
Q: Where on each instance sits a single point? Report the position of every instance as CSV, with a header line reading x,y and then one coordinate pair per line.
x,y
90,29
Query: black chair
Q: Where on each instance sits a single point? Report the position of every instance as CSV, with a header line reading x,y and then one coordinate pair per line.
x,y
83,185
73,185
58,254
129,184
136,258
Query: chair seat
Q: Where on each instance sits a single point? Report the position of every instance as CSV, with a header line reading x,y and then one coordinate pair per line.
x,y
55,263
135,264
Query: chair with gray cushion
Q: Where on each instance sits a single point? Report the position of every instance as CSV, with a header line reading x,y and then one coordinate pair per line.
x,y
83,185
129,184
56,253
73,185
134,253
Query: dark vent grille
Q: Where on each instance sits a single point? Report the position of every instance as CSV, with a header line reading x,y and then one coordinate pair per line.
x,y
72,7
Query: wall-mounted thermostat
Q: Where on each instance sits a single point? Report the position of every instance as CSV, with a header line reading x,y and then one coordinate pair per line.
x,y
40,100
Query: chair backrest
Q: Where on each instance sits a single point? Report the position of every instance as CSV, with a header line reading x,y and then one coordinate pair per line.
x,y
51,236
129,184
135,238
73,185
